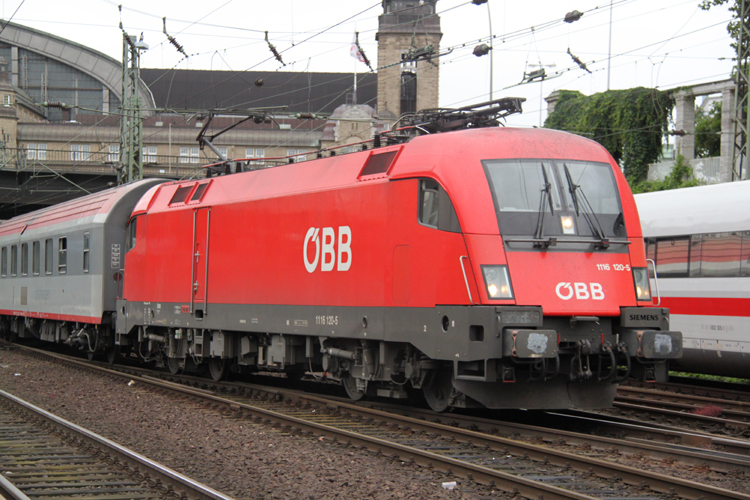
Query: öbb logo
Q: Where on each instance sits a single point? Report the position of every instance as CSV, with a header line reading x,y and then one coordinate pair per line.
x,y
328,258
581,291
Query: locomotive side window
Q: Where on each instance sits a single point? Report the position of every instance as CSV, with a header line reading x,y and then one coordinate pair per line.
x,y
62,257
86,254
36,257
48,249
435,207
181,194
132,226
14,260
198,194
24,259
428,203
4,272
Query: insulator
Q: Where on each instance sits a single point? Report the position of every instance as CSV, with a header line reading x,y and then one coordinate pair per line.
x,y
573,16
482,50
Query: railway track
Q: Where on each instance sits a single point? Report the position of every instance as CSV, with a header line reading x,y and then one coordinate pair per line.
x,y
510,464
711,413
43,456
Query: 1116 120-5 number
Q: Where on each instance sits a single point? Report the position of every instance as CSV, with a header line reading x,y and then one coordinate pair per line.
x,y
326,320
616,267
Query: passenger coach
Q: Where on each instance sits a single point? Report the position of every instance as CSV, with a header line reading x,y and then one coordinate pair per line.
x,y
700,240
61,267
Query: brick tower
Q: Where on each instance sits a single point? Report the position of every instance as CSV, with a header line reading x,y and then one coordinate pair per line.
x,y
407,26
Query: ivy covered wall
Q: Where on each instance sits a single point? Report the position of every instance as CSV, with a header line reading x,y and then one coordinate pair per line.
x,y
630,123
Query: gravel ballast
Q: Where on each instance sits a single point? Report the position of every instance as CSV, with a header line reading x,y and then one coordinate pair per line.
x,y
235,456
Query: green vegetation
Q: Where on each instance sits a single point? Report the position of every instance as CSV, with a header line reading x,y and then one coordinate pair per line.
x,y
708,132
680,176
733,28
714,378
630,123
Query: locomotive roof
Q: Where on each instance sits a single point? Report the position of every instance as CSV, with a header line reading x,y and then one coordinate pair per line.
x,y
453,158
97,204
715,208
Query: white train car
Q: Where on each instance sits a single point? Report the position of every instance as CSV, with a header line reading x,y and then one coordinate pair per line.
x,y
699,239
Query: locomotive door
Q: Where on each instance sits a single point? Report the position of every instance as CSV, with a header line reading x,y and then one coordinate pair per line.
x,y
199,292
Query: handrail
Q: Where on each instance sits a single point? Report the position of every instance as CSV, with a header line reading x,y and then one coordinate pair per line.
x,y
656,281
463,270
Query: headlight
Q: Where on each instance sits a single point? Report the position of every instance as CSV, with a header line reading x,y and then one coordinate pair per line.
x,y
642,285
497,281
568,226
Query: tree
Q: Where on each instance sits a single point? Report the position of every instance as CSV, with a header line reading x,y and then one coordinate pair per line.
x,y
708,131
733,28
630,123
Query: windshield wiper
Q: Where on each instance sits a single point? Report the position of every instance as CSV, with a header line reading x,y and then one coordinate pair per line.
x,y
546,197
583,206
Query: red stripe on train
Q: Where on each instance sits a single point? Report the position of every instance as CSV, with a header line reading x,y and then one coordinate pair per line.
x,y
58,317
707,306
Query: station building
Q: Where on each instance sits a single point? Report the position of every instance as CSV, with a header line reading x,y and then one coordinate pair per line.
x,y
60,125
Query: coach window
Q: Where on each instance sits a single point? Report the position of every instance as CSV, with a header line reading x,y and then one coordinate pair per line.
x,y
745,256
4,262
24,259
14,260
86,255
721,255
132,227
48,249
696,247
672,257
36,257
62,258
435,207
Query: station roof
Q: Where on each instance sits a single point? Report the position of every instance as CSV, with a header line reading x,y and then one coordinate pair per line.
x,y
286,92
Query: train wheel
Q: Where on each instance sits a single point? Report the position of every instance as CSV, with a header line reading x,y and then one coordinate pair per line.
x,y
173,365
219,368
113,354
350,386
438,391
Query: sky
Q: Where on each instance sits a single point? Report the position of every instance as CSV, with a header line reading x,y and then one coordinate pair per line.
x,y
654,43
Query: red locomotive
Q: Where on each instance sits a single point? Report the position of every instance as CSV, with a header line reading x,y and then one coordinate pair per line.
x,y
485,266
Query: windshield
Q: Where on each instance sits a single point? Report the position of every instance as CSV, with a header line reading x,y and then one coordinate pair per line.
x,y
518,187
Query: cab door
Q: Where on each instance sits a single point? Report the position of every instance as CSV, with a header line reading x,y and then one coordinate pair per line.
x,y
201,231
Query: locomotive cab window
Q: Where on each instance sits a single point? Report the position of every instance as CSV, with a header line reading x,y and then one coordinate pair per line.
x,y
132,230
4,264
555,197
25,259
36,257
435,207
62,257
14,260
86,253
